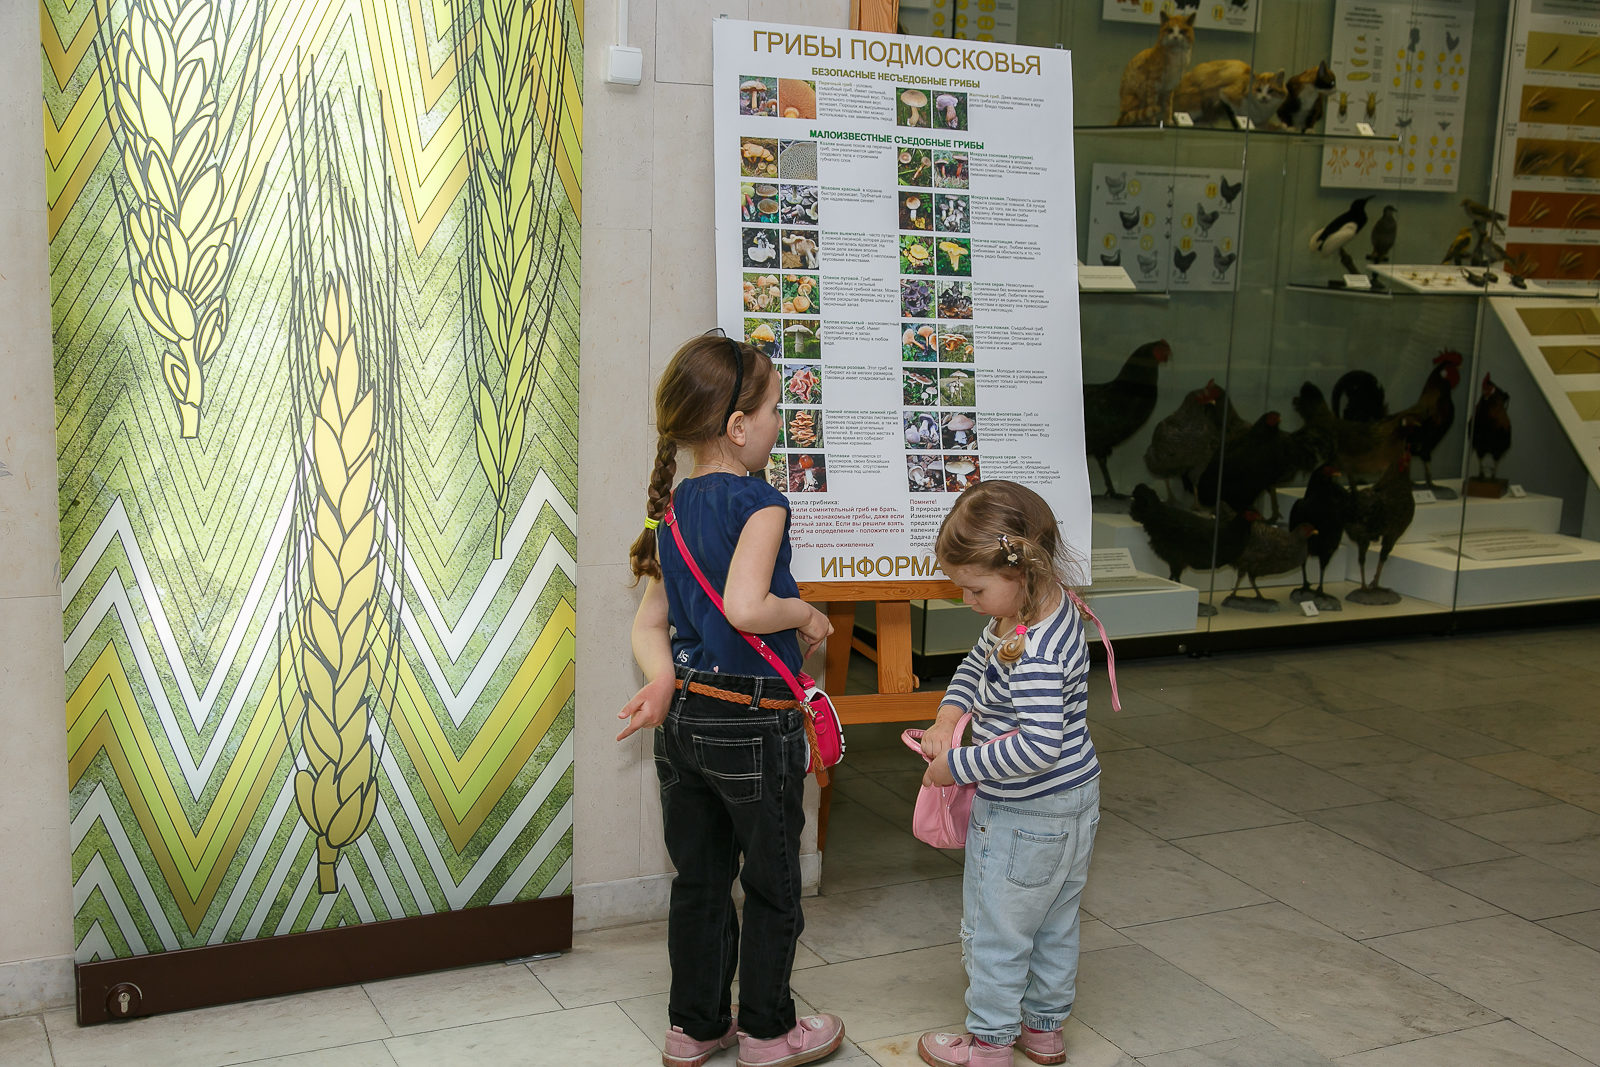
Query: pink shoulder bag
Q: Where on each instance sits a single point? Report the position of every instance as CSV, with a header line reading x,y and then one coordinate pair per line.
x,y
824,731
942,812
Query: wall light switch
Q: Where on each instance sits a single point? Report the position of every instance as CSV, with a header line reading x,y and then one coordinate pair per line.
x,y
627,65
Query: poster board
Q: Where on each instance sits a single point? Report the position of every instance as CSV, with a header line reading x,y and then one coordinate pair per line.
x,y
895,232
1169,228
1548,158
1403,67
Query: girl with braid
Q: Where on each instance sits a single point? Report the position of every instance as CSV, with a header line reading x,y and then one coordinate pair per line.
x,y
1026,686
731,750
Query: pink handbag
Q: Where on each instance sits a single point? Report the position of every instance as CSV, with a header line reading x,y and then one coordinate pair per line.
x,y
824,731
943,811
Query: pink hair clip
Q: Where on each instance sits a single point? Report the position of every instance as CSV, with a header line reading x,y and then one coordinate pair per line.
x,y
1021,630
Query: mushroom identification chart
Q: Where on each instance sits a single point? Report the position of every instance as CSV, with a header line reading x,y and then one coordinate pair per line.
x,y
895,229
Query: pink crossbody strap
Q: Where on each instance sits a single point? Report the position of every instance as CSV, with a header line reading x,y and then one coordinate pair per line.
x,y
671,519
1111,655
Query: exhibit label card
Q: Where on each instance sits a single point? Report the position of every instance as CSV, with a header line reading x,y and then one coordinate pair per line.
x,y
895,229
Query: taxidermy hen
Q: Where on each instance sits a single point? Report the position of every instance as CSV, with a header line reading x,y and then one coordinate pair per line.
x,y
1113,411
1379,513
1491,426
1323,507
1267,550
1183,539
1359,448
1248,464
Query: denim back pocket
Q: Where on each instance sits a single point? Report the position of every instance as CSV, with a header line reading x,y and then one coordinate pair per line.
x,y
732,764
1035,858
666,773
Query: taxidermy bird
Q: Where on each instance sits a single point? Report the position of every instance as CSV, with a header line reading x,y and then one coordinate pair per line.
x,y
1230,190
1483,213
1267,550
1183,443
1358,397
1113,411
1248,464
1435,412
1359,448
1339,231
1183,261
1383,235
1204,219
1222,261
1184,539
1130,219
1491,427
1460,247
1379,513
1323,507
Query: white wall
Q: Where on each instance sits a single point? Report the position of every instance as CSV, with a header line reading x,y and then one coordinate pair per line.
x,y
35,881
647,285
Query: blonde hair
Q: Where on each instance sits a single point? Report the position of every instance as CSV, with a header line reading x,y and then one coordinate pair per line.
x,y
692,408
1008,528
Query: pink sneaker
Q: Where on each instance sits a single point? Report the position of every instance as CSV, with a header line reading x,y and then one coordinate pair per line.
x,y
684,1051
961,1050
814,1037
1043,1046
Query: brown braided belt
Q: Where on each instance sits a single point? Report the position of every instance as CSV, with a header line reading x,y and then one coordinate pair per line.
x,y
731,697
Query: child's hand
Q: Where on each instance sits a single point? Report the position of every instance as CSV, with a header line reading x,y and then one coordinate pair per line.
x,y
815,631
938,772
938,739
648,707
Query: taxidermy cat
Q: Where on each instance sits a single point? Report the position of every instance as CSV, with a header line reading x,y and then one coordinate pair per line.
x,y
1308,98
1152,75
1224,89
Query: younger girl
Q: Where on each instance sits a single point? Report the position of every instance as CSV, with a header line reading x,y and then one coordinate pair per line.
x,y
731,753
1038,793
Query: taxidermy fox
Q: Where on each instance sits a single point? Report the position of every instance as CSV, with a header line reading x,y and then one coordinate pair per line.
x,y
1224,89
1153,74
1308,98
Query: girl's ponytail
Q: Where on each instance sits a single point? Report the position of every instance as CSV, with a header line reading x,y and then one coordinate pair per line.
x,y
642,556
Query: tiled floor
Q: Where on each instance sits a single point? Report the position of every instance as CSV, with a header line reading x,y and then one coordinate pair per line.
x,y
1375,856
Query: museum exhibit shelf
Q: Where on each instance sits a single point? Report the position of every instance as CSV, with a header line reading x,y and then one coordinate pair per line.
x,y
1248,320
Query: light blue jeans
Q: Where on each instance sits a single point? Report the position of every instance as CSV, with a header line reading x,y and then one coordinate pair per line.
x,y
1027,864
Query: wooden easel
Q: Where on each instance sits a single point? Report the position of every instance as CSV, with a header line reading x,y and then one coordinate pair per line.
x,y
896,699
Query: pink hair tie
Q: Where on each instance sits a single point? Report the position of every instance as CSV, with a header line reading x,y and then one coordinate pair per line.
x,y
1021,630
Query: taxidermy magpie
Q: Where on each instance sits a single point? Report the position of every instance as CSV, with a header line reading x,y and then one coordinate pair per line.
x,y
1337,233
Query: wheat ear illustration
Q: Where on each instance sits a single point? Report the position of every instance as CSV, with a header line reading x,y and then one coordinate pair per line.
x,y
337,790
180,224
511,89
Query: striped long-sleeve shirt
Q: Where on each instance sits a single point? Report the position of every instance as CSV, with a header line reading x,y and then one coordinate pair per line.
x,y
1044,696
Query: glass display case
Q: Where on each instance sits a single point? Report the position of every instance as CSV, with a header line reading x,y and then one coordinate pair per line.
x,y
1258,393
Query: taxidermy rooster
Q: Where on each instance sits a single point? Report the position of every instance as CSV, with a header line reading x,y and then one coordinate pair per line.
x,y
1358,397
1381,513
1183,261
1339,231
1491,426
1359,448
1183,539
1435,413
1113,411
1323,507
1267,550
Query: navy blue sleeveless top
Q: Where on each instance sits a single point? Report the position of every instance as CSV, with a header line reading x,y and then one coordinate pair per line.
x,y
712,511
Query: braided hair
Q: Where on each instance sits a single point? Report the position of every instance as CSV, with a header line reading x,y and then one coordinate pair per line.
x,y
694,400
1006,527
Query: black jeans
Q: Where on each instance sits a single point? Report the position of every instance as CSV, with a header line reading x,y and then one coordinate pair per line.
x,y
732,783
